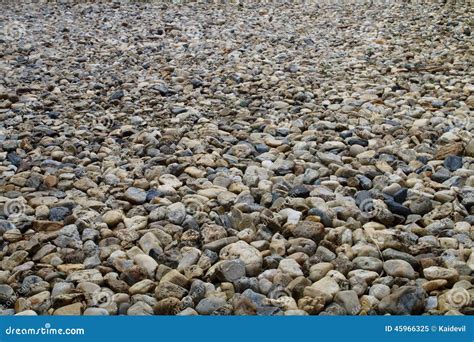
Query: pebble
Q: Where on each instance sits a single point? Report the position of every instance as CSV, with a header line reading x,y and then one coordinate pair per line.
x,y
399,268
436,272
207,306
249,255
406,300
379,291
261,166
135,195
349,301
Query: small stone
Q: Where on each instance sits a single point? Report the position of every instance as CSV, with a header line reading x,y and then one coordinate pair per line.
x,y
112,217
168,306
379,291
368,263
147,263
399,268
208,305
140,309
231,270
7,294
469,150
326,287
58,213
135,195
406,300
421,206
142,287
249,255
93,276
308,229
435,272
290,267
167,289
69,310
349,301
176,213
148,242
452,163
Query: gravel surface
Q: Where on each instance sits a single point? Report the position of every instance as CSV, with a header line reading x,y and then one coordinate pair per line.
x,y
274,159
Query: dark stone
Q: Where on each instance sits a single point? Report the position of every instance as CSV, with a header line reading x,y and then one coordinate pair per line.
x,y
401,195
178,110
207,306
167,258
299,191
58,213
53,115
452,163
213,256
282,131
357,141
196,83
333,309
271,261
34,181
152,193
364,182
346,134
258,301
293,68
117,95
246,283
397,208
441,175
14,158
197,290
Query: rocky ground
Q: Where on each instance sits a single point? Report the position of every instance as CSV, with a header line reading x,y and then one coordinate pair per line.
x,y
268,159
